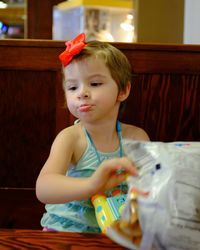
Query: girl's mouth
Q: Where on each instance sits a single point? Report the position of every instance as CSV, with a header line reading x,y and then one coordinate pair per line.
x,y
85,108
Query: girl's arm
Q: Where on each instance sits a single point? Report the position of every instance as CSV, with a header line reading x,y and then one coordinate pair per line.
x,y
53,186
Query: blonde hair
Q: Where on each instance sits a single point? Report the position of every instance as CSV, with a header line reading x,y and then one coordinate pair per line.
x,y
115,60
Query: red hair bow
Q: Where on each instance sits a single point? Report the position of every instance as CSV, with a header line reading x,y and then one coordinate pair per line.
x,y
73,47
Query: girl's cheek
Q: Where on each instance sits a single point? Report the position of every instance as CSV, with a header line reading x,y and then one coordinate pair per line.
x,y
71,106
68,103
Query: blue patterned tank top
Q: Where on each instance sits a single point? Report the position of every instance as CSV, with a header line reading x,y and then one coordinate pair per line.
x,y
78,216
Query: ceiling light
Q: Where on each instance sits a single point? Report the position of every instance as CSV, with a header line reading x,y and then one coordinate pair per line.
x,y
3,5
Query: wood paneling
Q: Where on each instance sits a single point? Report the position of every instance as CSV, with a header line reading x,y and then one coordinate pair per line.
x,y
164,100
27,111
20,208
166,105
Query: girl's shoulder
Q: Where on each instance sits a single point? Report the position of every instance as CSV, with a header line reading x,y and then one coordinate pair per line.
x,y
72,139
70,135
70,131
133,132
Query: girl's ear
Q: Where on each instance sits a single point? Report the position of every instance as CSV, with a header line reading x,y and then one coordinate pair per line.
x,y
123,94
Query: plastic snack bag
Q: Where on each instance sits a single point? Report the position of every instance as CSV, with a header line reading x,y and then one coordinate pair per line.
x,y
167,197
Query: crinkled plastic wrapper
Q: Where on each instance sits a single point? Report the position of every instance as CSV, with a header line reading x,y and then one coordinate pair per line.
x,y
165,213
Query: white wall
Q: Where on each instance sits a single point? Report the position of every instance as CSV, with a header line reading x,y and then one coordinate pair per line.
x,y
192,22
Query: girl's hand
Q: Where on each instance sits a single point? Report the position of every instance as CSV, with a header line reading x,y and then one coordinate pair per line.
x,y
111,173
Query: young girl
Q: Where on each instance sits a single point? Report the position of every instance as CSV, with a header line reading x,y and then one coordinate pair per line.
x,y
87,158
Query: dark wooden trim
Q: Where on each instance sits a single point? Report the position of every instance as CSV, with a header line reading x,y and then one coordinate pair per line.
x,y
145,58
40,18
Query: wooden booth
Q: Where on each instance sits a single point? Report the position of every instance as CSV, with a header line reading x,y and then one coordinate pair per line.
x,y
164,100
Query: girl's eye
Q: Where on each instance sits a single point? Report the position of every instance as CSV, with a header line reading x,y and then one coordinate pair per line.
x,y
72,88
95,84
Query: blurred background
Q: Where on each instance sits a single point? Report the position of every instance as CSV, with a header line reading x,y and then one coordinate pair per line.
x,y
153,21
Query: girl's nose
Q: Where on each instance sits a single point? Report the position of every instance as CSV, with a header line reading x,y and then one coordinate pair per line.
x,y
83,93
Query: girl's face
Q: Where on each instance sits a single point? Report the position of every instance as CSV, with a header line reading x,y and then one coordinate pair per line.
x,y
90,91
